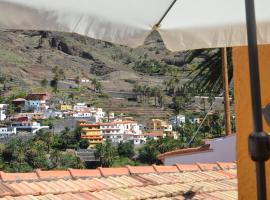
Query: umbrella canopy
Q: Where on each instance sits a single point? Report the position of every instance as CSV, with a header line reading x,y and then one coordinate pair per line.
x,y
190,24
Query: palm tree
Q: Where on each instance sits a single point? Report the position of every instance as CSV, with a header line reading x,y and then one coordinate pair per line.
x,y
148,93
138,90
107,154
55,158
213,72
156,92
97,85
144,91
173,84
94,82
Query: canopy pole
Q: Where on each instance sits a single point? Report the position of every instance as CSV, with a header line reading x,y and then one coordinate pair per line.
x,y
258,140
165,14
226,91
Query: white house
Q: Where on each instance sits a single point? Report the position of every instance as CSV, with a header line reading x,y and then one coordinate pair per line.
x,y
96,114
80,106
85,80
177,121
28,126
37,101
215,150
122,131
6,132
3,112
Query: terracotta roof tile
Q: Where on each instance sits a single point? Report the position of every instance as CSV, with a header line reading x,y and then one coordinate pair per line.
x,y
226,165
208,166
114,171
84,173
144,182
188,167
141,169
53,174
165,169
18,176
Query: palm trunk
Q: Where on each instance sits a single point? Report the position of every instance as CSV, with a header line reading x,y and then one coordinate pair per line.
x,y
226,91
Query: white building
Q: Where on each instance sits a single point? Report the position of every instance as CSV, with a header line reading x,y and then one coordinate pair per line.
x,y
96,114
85,80
177,121
28,126
3,112
122,131
80,106
37,102
6,132
215,150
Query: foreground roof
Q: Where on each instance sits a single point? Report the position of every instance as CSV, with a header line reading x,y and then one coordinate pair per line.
x,y
184,151
207,181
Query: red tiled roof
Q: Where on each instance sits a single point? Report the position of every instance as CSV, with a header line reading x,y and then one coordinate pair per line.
x,y
140,182
114,171
141,169
53,174
206,166
184,151
18,176
226,165
188,167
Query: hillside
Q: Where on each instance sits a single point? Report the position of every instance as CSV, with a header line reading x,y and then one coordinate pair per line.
x,y
27,57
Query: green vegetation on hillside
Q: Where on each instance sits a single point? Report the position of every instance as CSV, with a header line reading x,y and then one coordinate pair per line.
x,y
11,57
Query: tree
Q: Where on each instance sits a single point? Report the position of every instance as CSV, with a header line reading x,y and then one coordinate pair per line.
x,y
55,158
14,154
84,144
36,155
97,85
44,82
212,73
126,149
107,154
10,110
54,84
207,74
179,103
149,152
67,139
173,83
137,89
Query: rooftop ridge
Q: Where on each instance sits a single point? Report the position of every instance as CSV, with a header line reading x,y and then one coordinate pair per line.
x,y
40,175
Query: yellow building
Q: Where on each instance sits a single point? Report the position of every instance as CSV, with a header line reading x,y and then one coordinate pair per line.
x,y
93,133
156,125
65,107
161,126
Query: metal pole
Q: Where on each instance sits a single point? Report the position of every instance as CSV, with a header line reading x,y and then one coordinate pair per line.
x,y
165,14
258,140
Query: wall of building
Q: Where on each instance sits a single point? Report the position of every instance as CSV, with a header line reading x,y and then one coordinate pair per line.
x,y
222,150
246,168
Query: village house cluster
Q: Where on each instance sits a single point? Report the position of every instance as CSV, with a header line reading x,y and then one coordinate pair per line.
x,y
27,115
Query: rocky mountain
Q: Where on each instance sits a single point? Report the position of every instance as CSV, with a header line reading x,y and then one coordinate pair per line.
x,y
27,57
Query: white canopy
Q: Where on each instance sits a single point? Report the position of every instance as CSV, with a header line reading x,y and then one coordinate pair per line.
x,y
190,24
